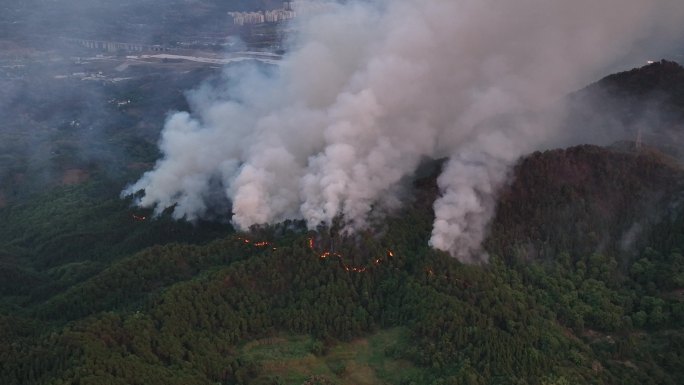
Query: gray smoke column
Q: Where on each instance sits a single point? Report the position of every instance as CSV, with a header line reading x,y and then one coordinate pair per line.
x,y
370,88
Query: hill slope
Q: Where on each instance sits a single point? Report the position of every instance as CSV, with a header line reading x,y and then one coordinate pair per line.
x,y
649,99
584,285
187,314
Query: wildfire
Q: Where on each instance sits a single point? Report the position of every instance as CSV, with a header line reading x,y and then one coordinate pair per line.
x,y
353,269
325,255
329,254
139,218
257,244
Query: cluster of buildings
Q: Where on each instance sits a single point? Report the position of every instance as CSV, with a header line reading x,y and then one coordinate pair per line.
x,y
242,18
110,46
259,17
287,12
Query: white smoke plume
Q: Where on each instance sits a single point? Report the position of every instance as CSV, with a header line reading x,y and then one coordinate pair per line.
x,y
370,88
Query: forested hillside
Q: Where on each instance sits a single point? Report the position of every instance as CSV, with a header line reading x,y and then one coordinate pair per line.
x,y
584,284
646,102
561,300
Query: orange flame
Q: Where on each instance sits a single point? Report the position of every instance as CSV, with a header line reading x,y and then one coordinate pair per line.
x,y
349,268
257,244
139,218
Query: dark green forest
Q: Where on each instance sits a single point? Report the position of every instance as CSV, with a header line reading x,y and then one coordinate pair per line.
x,y
584,284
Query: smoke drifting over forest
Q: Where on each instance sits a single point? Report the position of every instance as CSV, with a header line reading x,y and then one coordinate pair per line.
x,y
371,88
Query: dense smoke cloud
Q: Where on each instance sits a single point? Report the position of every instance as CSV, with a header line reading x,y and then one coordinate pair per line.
x,y
371,88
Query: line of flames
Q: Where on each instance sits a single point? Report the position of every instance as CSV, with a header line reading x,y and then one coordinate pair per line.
x,y
328,254
257,244
325,255
350,268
